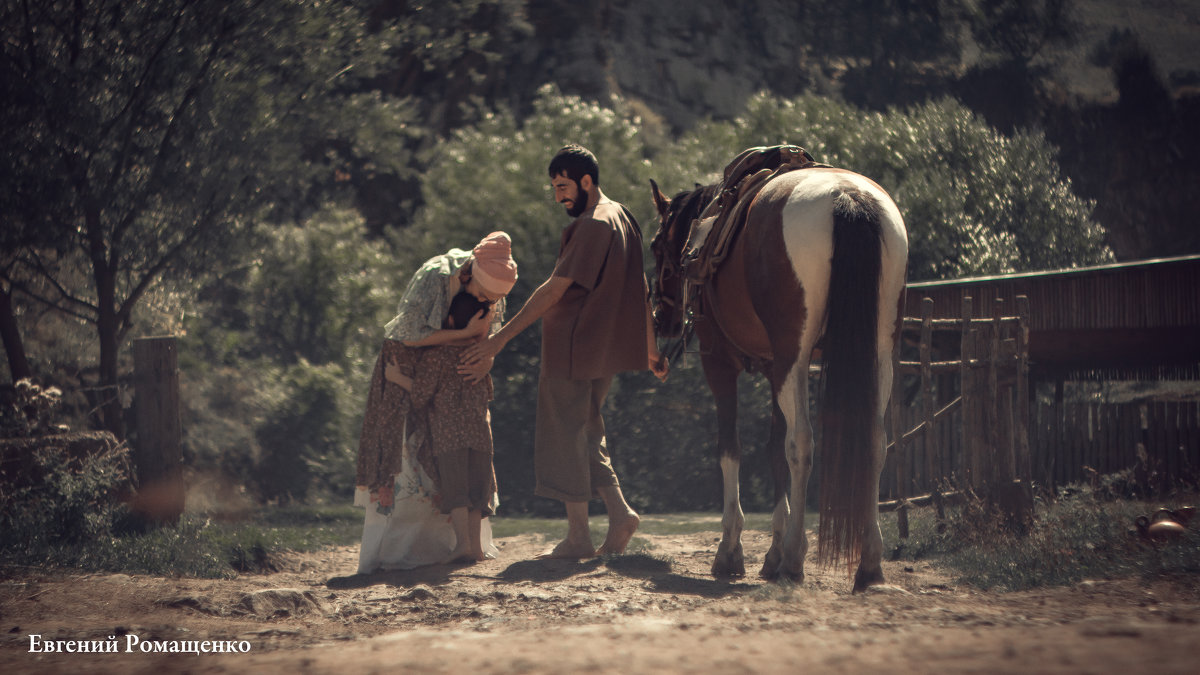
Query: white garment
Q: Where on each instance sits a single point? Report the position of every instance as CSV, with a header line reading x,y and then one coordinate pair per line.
x,y
416,532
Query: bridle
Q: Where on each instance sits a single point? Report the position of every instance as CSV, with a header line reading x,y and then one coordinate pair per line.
x,y
670,266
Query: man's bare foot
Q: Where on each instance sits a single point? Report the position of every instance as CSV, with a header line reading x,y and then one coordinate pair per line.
x,y
569,550
620,531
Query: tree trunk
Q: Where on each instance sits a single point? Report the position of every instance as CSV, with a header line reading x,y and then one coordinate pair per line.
x,y
107,329
14,346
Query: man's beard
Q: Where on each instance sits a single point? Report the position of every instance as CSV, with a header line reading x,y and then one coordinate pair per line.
x,y
581,201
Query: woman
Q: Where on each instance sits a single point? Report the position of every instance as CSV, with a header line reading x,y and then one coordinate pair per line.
x,y
425,470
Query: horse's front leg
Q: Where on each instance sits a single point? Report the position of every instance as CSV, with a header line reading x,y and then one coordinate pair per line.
x,y
722,380
779,478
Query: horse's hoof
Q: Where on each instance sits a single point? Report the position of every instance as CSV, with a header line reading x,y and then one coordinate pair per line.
x,y
794,576
731,564
723,570
770,568
792,571
864,580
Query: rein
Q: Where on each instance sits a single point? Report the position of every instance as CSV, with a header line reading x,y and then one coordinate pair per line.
x,y
675,347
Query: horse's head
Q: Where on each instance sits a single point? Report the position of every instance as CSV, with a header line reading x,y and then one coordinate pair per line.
x,y
675,218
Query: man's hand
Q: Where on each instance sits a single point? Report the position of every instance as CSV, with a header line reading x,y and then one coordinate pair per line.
x,y
660,367
484,350
477,370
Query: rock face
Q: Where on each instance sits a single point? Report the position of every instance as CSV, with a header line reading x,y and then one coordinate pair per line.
x,y
684,61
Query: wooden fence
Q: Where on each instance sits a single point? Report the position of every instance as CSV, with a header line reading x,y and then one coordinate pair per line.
x,y
961,422
1159,440
971,421
966,425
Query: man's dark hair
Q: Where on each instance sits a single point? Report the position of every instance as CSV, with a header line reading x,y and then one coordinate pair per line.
x,y
577,161
463,308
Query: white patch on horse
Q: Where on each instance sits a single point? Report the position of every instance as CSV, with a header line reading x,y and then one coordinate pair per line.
x,y
732,519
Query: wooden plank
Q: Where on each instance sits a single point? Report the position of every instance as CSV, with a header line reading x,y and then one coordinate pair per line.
x,y
1174,466
158,453
1003,469
1021,414
928,397
970,395
1158,441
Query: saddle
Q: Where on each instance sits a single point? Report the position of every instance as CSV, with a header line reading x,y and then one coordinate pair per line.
x,y
713,232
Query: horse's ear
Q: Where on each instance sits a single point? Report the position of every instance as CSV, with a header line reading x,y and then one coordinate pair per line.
x,y
661,203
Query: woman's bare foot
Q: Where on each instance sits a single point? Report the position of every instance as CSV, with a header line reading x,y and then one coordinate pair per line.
x,y
620,531
569,550
460,556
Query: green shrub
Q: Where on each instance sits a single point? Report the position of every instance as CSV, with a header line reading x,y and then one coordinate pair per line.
x,y
305,435
61,501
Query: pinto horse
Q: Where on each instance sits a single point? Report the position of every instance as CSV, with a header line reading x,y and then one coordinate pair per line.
x,y
818,264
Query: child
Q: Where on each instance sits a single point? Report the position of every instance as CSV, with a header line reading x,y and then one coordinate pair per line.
x,y
459,432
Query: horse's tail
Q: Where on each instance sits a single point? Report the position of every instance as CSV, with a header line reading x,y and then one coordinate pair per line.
x,y
849,391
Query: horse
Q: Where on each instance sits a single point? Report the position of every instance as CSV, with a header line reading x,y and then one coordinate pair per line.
x,y
816,271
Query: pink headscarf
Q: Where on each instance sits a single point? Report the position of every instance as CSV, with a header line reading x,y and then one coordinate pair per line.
x,y
494,267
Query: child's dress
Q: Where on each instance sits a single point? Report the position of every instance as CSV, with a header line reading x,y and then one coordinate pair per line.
x,y
404,526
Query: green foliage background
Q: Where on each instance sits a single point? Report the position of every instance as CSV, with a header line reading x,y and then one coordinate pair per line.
x,y
977,202
289,276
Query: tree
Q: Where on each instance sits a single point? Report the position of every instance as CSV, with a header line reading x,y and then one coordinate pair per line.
x,y
148,137
1018,31
974,201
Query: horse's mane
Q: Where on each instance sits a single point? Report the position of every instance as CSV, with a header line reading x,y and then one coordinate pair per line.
x,y
695,199
687,205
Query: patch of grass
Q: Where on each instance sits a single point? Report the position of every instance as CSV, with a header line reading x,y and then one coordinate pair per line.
x,y
201,547
1075,537
638,563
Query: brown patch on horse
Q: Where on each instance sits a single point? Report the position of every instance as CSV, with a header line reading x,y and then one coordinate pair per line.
x,y
773,288
725,305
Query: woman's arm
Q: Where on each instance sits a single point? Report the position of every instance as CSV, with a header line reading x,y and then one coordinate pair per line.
x,y
476,329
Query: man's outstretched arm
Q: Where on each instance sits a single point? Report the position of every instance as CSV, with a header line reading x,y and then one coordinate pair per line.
x,y
477,359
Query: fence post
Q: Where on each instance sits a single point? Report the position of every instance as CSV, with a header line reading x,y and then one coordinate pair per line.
x,y
970,408
158,451
1024,458
927,393
999,406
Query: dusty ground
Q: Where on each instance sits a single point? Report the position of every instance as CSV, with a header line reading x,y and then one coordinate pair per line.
x,y
634,614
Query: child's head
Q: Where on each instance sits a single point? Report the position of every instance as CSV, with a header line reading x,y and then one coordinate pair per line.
x,y
463,308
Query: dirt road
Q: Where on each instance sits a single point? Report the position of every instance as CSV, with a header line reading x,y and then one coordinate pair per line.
x,y
652,613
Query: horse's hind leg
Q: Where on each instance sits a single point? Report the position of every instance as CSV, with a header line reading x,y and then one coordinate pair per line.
x,y
722,380
779,477
798,445
870,566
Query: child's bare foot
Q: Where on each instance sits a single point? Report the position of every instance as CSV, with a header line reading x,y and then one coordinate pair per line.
x,y
569,550
620,531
